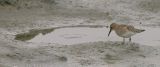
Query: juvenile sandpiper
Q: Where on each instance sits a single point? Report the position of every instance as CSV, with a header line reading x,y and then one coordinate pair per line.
x,y
124,31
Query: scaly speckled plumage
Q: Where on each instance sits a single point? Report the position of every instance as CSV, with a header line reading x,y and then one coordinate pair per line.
x,y
125,31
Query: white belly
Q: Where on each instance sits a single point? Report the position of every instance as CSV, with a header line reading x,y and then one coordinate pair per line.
x,y
128,34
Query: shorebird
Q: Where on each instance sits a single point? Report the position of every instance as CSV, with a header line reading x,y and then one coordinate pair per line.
x,y
124,31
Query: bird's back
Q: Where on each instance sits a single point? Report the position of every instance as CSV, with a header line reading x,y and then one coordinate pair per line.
x,y
121,30
126,30
131,28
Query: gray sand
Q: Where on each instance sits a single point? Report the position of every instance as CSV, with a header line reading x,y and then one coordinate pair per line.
x,y
94,48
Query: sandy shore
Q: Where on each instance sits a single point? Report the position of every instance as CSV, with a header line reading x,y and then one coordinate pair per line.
x,y
96,53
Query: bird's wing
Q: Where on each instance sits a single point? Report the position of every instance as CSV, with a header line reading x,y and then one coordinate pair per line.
x,y
131,28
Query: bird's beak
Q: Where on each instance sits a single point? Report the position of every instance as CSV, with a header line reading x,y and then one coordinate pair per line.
x,y
110,32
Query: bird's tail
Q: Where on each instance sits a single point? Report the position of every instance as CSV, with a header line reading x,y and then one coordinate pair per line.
x,y
131,28
139,31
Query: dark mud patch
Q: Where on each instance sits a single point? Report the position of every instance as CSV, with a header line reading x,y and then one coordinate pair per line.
x,y
32,33
111,59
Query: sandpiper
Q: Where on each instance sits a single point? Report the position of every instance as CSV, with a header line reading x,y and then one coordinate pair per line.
x,y
125,31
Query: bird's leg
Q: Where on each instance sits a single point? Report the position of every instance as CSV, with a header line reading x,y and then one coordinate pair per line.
x,y
123,41
130,39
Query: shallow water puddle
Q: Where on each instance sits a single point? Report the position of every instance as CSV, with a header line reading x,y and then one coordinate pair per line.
x,y
72,35
75,35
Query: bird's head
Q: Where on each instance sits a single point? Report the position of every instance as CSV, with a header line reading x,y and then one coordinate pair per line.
x,y
112,27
